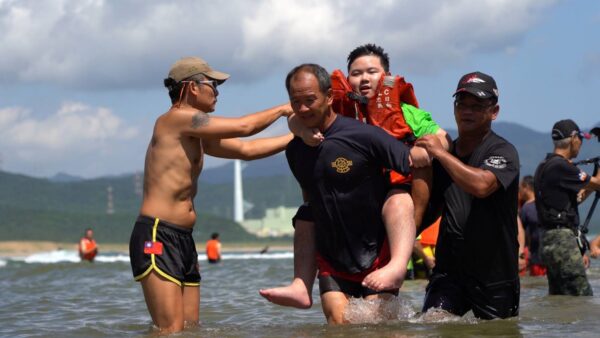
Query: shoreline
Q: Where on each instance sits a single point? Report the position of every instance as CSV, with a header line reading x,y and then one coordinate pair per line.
x,y
26,248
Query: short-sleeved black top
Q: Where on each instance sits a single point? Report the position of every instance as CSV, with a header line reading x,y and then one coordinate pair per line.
x,y
346,189
478,236
533,231
557,182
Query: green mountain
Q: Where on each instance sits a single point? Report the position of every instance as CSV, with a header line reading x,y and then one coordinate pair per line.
x,y
41,209
60,208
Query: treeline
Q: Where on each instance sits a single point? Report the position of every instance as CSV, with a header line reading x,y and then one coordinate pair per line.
x,y
39,209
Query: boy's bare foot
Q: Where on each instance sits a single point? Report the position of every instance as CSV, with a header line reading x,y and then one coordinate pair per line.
x,y
386,278
295,295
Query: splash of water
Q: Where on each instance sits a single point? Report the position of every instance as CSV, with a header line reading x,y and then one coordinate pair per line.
x,y
438,315
373,311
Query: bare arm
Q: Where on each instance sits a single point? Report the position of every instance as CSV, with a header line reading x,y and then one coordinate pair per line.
x,y
444,138
595,247
477,182
246,150
592,186
521,239
202,125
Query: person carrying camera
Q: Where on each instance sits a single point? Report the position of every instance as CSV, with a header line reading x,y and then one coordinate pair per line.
x,y
559,187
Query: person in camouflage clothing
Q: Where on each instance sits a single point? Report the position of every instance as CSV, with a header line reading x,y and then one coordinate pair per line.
x,y
566,273
559,187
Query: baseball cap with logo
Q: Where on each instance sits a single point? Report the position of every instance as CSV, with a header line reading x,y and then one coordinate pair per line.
x,y
190,66
567,128
479,84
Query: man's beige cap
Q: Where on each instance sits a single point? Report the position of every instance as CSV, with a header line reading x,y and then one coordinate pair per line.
x,y
189,66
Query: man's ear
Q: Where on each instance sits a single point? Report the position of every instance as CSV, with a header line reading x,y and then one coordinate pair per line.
x,y
194,87
495,111
329,97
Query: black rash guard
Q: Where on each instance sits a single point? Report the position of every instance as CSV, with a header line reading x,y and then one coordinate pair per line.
x,y
478,236
346,188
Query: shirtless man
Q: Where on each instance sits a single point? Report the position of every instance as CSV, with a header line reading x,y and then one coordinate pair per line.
x,y
162,250
367,65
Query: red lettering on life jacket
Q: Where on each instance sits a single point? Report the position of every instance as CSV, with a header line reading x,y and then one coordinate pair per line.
x,y
383,110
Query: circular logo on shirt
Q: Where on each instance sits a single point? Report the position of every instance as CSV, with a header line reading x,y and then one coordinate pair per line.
x,y
498,162
582,176
341,165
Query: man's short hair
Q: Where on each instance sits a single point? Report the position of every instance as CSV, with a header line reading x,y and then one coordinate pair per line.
x,y
319,72
562,143
214,235
370,49
527,182
175,87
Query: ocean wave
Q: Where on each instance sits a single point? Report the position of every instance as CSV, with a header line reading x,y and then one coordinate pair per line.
x,y
71,256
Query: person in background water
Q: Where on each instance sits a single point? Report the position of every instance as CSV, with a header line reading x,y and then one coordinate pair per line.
x,y
88,249
559,187
531,224
213,249
425,250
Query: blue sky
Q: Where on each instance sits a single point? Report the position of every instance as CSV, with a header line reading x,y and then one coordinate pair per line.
x,y
81,81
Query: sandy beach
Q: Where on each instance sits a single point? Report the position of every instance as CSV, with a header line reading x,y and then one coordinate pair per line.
x,y
25,248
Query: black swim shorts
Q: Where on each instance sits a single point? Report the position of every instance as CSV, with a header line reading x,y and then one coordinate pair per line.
x,y
354,289
458,295
166,248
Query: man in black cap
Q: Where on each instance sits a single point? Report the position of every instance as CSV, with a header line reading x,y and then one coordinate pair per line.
x,y
476,192
559,188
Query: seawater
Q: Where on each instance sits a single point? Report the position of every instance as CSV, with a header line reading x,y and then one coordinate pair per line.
x,y
53,294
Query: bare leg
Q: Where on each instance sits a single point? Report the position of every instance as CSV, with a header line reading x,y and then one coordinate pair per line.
x,y
191,305
299,293
421,190
164,300
334,303
398,216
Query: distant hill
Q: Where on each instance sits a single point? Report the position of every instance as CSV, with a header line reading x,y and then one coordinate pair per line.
x,y
64,177
271,166
40,209
59,209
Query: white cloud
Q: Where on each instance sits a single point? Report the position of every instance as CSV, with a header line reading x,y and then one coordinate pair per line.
x,y
74,133
130,44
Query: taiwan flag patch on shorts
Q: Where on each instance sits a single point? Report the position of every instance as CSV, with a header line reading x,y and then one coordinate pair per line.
x,y
153,248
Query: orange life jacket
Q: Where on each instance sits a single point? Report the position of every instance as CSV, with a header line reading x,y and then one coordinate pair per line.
x,y
89,245
383,110
212,249
429,236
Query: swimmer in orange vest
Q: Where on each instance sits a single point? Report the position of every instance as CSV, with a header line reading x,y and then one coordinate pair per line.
x,y
88,249
213,249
